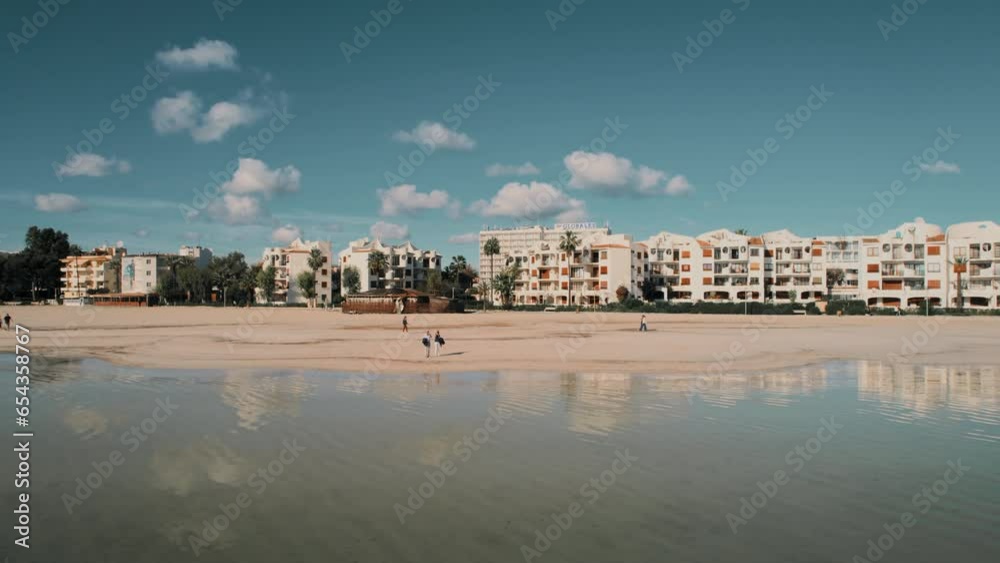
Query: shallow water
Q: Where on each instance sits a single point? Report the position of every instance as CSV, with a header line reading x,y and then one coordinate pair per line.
x,y
688,452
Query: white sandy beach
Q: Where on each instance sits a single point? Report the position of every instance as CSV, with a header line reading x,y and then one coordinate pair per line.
x,y
201,337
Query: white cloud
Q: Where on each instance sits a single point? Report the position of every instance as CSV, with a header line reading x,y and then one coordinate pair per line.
x,y
286,234
183,113
141,233
389,231
537,200
434,136
526,169
179,113
940,167
254,177
90,164
222,117
615,175
464,238
236,210
205,54
406,200
58,203
678,185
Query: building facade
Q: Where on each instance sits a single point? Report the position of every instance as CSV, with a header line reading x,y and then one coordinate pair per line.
x,y
94,272
518,240
202,256
290,261
911,266
141,272
408,266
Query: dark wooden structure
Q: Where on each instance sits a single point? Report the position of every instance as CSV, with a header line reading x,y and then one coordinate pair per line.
x,y
400,301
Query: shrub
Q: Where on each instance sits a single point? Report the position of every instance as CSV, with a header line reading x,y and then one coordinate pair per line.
x,y
848,307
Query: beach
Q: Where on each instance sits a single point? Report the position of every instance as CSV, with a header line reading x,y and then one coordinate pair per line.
x,y
585,342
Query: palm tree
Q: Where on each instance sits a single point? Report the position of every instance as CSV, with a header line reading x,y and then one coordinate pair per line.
x,y
378,265
834,276
960,265
743,232
315,262
491,248
568,244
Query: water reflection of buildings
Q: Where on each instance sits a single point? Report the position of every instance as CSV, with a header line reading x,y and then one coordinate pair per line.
x,y
776,388
905,392
256,397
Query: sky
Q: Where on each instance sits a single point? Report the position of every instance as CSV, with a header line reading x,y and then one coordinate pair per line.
x,y
241,125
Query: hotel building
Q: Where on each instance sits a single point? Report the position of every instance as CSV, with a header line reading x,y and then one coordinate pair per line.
x,y
518,240
905,267
408,265
141,273
94,272
589,276
290,261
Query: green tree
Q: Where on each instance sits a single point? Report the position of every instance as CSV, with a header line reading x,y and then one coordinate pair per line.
x,y
378,265
194,282
307,283
491,248
315,262
169,289
621,293
568,244
229,274
266,282
504,284
742,231
351,279
40,264
834,276
960,264
434,283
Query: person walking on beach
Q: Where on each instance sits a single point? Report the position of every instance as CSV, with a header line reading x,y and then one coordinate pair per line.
x,y
438,342
406,325
642,324
427,344
6,320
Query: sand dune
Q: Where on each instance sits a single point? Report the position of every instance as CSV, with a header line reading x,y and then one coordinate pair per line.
x,y
200,337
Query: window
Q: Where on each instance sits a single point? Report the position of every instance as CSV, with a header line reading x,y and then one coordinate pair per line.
x,y
934,268
754,252
706,267
148,273
960,251
873,251
768,267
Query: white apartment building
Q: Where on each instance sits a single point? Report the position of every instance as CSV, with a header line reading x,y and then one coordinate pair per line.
x,y
978,245
590,276
290,261
906,267
141,272
518,240
201,256
408,265
95,271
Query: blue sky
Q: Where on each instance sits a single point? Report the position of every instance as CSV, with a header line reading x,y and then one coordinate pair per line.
x,y
545,96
